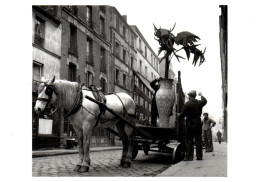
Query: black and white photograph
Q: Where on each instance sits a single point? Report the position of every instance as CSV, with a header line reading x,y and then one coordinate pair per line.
x,y
133,89
117,96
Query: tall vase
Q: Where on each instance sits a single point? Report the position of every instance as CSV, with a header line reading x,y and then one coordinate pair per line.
x,y
165,98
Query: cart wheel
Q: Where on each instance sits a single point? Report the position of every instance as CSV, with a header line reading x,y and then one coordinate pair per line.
x,y
135,151
178,153
146,148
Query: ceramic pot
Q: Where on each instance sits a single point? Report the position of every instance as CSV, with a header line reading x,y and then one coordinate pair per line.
x,y
165,98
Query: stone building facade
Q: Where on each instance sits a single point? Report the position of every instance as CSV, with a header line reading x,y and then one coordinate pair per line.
x,y
123,52
145,71
89,45
85,55
46,59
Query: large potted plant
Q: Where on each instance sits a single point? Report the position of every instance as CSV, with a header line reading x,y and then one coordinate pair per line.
x,y
165,96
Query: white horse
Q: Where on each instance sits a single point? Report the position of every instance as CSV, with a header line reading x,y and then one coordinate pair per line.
x,y
61,94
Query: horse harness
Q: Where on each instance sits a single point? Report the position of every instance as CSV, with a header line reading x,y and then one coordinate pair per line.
x,y
99,96
49,92
77,104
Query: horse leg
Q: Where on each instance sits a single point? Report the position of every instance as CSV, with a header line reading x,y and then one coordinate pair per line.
x,y
120,129
80,145
129,132
86,144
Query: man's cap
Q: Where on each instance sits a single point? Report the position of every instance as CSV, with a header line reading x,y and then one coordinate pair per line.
x,y
205,113
192,93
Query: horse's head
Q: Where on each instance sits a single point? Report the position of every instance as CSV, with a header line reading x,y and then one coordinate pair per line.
x,y
47,96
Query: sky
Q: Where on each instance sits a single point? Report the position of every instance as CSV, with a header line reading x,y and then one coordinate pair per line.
x,y
202,21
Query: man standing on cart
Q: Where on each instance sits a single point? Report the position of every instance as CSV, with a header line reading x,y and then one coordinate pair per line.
x,y
154,112
192,110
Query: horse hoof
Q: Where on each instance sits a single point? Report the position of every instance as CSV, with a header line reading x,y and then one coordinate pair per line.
x,y
77,168
126,165
84,169
121,163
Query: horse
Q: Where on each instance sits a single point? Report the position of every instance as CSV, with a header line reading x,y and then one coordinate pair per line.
x,y
61,94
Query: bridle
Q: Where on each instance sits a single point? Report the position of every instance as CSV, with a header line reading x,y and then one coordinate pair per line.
x,y
49,92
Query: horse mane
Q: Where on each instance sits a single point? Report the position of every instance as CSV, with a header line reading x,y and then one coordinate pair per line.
x,y
67,92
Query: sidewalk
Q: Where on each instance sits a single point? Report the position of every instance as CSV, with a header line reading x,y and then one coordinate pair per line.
x,y
214,164
44,153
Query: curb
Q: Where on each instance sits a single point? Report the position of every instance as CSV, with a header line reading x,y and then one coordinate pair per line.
x,y
65,152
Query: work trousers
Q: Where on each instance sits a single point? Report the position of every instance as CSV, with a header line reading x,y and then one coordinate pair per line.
x,y
191,134
208,140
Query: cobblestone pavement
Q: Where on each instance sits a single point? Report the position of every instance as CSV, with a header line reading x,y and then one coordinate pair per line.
x,y
105,163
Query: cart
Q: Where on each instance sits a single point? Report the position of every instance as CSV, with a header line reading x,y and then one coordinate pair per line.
x,y
163,140
148,138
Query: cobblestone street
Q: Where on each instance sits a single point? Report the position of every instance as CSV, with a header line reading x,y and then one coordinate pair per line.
x,y
105,163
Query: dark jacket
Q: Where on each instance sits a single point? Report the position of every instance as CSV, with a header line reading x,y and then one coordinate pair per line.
x,y
193,110
219,134
156,88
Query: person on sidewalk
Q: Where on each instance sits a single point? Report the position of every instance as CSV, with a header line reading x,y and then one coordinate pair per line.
x,y
219,134
192,110
207,125
154,112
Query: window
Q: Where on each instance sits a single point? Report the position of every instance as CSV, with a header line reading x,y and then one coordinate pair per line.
x,y
117,76
136,81
140,85
39,31
140,66
117,23
146,105
151,58
103,84
132,41
103,60
145,52
146,71
141,101
151,75
89,16
72,72
135,98
73,49
124,80
140,44
117,49
124,32
124,55
89,50
89,78
102,27
132,62
37,71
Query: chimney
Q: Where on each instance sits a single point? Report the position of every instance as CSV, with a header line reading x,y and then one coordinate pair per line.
x,y
124,17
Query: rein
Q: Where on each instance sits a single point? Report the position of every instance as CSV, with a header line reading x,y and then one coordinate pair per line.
x,y
49,91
